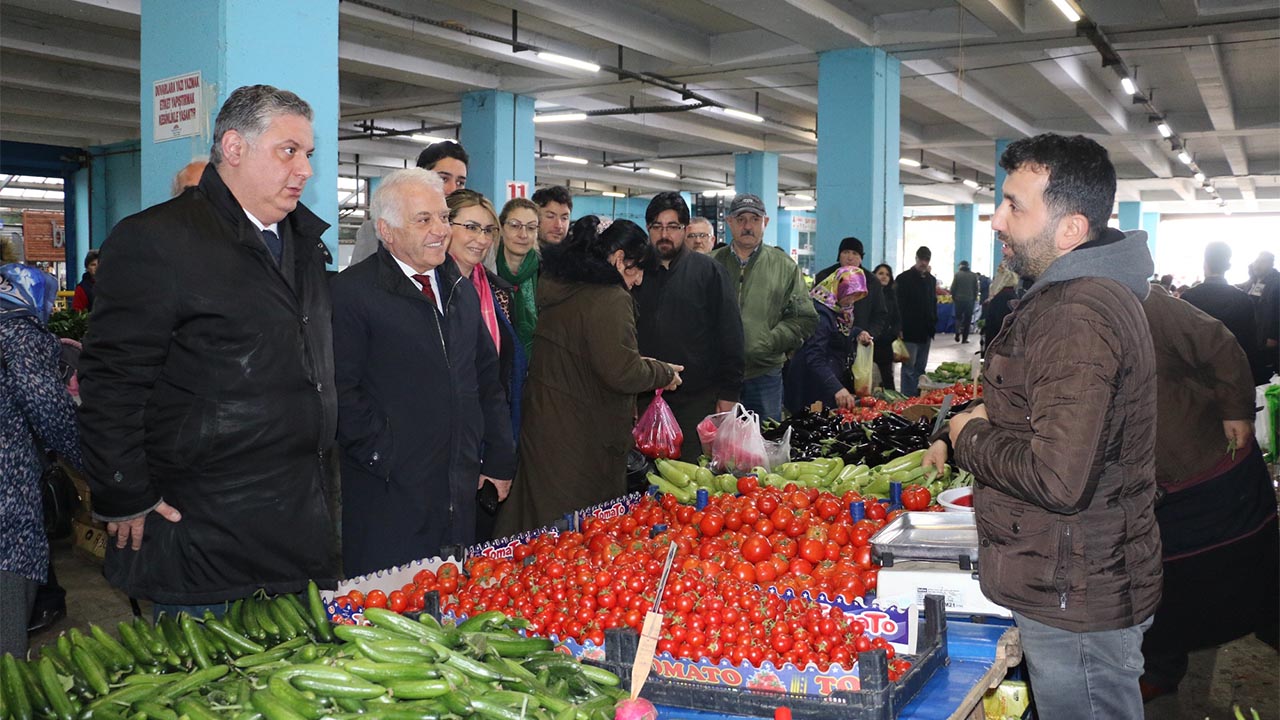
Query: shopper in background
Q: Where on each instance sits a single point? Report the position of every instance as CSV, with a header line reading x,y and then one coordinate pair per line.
x,y
188,176
701,235
893,323
586,370
1217,517
1064,445
446,158
817,370
554,206
208,406
36,413
688,314
83,299
1229,305
777,314
918,307
1263,288
1004,290
964,293
518,261
423,421
872,310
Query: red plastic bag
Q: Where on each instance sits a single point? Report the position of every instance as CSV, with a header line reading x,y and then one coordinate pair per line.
x,y
658,435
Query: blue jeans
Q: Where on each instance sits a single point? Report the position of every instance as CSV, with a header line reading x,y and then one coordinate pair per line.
x,y
763,395
915,367
1083,675
195,611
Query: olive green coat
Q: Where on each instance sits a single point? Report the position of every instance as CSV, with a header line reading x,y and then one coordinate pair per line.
x,y
579,403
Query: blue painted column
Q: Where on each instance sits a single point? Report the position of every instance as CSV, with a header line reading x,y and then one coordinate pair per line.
x,y
757,173
1130,215
997,255
859,192
966,228
291,44
497,131
80,180
1150,223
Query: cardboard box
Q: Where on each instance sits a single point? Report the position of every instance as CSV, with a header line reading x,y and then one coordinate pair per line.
x,y
90,537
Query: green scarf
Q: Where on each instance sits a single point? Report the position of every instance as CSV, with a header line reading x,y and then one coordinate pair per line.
x,y
524,309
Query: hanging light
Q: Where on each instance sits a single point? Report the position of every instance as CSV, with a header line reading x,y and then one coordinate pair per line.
x,y
909,162
568,61
1065,7
560,117
1184,157
569,159
1127,85
743,114
612,194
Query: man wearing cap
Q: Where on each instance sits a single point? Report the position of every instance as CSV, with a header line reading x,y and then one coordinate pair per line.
x,y
777,315
964,293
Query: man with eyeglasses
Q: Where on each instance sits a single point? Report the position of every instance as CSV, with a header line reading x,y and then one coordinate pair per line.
x,y
422,414
446,158
700,235
688,316
555,204
777,314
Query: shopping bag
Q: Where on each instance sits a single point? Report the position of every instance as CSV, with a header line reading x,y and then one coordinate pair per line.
x,y
900,352
708,429
777,452
739,446
657,434
863,364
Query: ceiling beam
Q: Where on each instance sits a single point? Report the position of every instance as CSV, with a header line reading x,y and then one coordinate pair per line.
x,y
1001,16
67,44
1180,10
626,24
813,24
57,131
388,61
1205,63
1075,78
945,78
32,73
1151,155
40,102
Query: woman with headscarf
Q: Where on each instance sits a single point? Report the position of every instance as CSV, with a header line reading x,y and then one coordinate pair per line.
x,y
585,373
815,371
36,413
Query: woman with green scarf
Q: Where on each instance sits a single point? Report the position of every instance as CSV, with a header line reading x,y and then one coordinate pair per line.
x,y
516,261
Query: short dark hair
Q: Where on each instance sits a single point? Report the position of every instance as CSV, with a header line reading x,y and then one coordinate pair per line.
x,y
1082,179
250,110
663,201
556,193
924,253
435,152
91,256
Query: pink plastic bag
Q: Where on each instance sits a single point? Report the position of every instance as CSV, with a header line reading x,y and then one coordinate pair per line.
x,y
657,434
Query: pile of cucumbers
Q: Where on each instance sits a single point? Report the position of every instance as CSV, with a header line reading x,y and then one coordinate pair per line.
x,y
276,659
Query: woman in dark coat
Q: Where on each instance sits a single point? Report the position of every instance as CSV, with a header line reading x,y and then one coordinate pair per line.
x,y
893,327
35,411
579,402
815,371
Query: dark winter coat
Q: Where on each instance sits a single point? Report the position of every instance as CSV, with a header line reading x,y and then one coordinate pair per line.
x,y
579,401
917,305
815,370
421,413
1065,466
513,364
1233,308
207,380
893,321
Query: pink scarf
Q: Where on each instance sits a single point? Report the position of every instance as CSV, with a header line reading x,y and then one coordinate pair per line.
x,y
481,280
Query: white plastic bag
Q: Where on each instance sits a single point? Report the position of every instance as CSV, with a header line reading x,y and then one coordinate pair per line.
x,y
739,446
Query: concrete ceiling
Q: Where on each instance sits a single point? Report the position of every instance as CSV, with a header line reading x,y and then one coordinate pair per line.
x,y
972,71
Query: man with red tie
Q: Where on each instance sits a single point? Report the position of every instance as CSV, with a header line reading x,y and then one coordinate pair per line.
x,y
422,418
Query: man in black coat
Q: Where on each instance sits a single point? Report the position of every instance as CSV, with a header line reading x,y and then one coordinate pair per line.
x,y
1229,305
918,303
422,416
207,375
688,315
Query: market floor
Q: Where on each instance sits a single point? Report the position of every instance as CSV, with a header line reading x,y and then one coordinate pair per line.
x,y
1242,672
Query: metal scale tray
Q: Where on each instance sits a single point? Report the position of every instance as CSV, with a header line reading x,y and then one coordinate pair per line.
x,y
950,537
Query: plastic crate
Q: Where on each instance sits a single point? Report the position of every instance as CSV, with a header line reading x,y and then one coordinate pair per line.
x,y
878,698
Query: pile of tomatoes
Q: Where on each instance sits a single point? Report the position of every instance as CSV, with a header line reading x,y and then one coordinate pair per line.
x,y
577,585
870,408
411,597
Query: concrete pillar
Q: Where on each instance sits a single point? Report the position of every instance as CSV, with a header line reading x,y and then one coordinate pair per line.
x,y
1130,215
497,131
291,44
966,229
757,173
1150,222
997,255
80,181
859,192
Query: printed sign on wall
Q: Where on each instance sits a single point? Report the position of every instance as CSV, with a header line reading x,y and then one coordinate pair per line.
x,y
177,105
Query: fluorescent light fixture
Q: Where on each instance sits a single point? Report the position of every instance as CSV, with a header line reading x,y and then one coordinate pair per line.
x,y
569,62
560,117
743,115
1209,186
1127,85
428,139
1065,7
612,194
972,183
801,208
1165,130
909,162
803,196
1199,177
661,173
1184,157
569,159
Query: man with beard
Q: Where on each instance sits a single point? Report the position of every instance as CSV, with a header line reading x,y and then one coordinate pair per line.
x,y
777,314
555,204
1064,446
688,316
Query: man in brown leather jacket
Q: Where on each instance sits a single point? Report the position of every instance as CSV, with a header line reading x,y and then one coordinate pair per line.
x,y
1064,447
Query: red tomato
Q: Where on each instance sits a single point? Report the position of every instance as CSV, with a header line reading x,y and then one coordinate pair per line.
x,y
396,601
813,550
915,497
713,522
756,548
376,598
747,485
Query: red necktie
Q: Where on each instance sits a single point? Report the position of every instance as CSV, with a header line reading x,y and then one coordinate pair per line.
x,y
425,280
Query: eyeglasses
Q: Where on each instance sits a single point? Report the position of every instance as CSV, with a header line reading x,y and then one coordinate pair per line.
x,y
476,228
516,227
656,228
698,236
